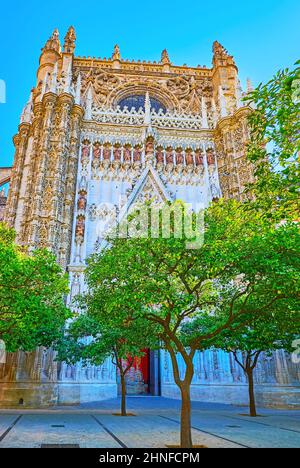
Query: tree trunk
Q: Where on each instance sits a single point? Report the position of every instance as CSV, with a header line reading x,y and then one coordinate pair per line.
x,y
252,404
123,398
185,429
185,390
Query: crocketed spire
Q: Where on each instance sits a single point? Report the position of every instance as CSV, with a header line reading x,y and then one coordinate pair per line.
x,y
70,38
53,42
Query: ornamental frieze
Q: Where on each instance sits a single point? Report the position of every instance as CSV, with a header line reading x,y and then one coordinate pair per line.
x,y
109,87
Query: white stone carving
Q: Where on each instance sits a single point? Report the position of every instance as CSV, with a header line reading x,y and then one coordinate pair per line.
x,y
168,119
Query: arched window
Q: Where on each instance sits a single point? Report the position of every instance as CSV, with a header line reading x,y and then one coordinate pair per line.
x,y
138,101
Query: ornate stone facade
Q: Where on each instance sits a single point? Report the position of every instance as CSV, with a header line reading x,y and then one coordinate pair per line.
x,y
84,152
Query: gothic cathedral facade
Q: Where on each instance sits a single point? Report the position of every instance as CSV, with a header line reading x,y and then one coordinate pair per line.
x,y
94,134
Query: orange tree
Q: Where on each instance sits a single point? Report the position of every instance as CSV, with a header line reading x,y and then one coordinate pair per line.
x,y
274,145
243,268
98,334
32,289
263,333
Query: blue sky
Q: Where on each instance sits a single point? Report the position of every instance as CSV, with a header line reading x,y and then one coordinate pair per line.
x,y
262,35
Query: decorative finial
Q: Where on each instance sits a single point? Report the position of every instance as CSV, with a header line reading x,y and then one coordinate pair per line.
x,y
249,86
239,94
67,87
53,42
55,35
218,49
88,104
204,113
116,54
78,90
165,57
70,38
222,102
147,119
221,55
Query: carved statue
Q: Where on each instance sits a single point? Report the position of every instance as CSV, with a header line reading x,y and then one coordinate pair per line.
x,y
189,157
169,156
80,227
179,157
165,57
159,156
116,55
137,154
127,154
96,152
85,151
81,204
149,147
117,154
210,158
106,153
198,158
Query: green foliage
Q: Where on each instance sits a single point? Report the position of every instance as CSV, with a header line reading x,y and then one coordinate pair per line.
x,y
265,333
274,145
32,310
7,235
93,337
244,267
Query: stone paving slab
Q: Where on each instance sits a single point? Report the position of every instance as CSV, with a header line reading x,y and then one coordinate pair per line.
x,y
258,432
5,421
154,431
133,432
156,423
33,430
288,422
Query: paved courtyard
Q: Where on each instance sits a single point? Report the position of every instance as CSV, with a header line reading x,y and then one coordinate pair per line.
x,y
155,424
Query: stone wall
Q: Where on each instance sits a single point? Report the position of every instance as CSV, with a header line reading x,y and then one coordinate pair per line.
x,y
37,380
218,378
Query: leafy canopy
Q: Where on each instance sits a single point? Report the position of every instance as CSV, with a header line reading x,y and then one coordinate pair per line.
x,y
274,145
32,289
93,337
244,267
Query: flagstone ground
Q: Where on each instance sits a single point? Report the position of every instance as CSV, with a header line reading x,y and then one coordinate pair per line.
x,y
155,424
